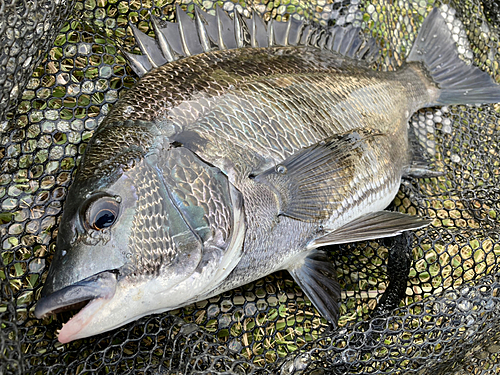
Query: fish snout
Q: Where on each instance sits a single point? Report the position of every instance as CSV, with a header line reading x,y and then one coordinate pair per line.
x,y
101,285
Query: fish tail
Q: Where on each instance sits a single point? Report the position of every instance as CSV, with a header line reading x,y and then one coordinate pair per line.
x,y
458,82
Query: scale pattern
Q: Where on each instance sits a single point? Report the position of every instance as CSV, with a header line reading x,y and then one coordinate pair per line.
x,y
451,309
150,242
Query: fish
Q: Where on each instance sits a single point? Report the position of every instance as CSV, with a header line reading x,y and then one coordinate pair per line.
x,y
242,150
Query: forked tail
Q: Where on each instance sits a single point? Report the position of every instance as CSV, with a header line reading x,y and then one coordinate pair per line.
x,y
459,82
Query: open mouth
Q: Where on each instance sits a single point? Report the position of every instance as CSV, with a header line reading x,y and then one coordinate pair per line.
x,y
88,295
72,307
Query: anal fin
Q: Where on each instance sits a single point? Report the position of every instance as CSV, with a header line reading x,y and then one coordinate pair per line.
x,y
317,278
372,226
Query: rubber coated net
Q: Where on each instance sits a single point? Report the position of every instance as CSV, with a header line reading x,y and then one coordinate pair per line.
x,y
61,70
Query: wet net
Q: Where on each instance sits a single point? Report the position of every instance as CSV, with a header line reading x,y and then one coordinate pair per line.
x,y
61,70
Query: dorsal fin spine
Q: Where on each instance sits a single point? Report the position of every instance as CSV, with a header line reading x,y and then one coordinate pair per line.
x,y
287,33
185,48
136,64
243,38
270,32
218,18
202,32
238,30
254,42
140,38
253,34
162,40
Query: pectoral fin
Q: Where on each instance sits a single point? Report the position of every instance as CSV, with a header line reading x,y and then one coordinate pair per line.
x,y
371,226
316,277
311,183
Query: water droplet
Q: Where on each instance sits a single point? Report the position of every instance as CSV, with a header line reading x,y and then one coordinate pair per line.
x,y
64,252
281,169
37,265
188,329
434,36
128,110
423,39
118,198
465,305
438,66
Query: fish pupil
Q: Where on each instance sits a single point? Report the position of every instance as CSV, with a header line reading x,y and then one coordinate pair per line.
x,y
104,219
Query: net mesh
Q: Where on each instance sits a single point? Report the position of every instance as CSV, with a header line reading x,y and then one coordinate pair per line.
x,y
60,73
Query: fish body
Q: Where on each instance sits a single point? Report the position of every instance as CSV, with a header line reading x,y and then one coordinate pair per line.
x,y
225,166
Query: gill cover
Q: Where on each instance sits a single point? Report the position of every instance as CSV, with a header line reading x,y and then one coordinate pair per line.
x,y
186,211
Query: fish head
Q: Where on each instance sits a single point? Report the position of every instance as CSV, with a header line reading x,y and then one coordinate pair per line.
x,y
151,235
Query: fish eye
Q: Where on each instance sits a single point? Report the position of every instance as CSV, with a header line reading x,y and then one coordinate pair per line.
x,y
101,213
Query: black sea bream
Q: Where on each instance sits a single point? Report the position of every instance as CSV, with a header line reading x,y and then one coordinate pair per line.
x,y
242,150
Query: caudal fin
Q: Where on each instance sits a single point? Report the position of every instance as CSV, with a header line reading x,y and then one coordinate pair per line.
x,y
459,82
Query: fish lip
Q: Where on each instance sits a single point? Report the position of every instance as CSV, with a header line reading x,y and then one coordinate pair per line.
x,y
99,286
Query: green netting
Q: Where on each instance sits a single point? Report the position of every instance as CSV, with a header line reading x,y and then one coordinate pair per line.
x,y
60,73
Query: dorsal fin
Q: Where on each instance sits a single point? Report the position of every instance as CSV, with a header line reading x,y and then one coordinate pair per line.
x,y
207,32
295,31
146,43
226,29
281,32
348,42
188,33
162,40
241,32
258,31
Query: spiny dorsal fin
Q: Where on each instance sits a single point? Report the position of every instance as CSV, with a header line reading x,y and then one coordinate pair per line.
x,y
258,31
146,43
225,29
201,26
295,31
162,40
206,33
139,63
241,31
190,39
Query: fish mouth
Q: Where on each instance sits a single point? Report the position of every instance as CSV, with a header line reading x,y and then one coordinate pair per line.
x,y
89,295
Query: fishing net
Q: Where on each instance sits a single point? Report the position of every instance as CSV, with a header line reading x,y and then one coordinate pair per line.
x,y
61,70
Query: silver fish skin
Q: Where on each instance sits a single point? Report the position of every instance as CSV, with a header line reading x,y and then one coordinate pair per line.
x,y
224,166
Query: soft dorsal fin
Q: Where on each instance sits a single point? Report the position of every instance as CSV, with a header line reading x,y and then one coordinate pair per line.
x,y
207,32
